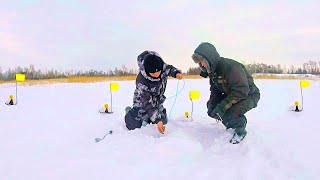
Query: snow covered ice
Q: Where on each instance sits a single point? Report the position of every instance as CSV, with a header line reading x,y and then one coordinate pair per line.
x,y
51,135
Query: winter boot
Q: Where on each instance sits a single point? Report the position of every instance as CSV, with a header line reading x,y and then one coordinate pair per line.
x,y
128,108
238,136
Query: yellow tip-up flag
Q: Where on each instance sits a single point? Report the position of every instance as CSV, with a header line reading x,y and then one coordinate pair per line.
x,y
194,95
304,84
114,86
20,77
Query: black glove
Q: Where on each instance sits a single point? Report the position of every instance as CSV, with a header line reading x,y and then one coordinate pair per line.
x,y
203,74
217,113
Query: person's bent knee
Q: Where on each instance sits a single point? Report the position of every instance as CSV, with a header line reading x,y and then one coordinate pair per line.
x,y
131,122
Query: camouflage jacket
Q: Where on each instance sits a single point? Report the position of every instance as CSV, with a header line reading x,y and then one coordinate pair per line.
x,y
149,93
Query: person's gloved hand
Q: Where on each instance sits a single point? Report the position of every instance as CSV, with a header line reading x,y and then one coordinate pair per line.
x,y
210,109
217,113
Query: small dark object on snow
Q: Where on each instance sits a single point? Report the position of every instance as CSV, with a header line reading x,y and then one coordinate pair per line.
x,y
100,139
11,102
106,111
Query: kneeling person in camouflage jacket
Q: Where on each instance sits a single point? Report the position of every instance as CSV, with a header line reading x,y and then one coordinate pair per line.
x,y
149,96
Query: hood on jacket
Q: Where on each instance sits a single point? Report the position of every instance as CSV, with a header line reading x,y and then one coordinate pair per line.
x,y
140,60
208,53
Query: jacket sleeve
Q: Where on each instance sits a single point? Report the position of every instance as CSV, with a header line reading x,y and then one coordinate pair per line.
x,y
215,97
238,83
171,70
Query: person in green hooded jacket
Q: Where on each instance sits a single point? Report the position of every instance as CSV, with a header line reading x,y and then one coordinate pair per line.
x,y
233,92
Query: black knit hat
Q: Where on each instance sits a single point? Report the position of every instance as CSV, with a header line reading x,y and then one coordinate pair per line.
x,y
152,63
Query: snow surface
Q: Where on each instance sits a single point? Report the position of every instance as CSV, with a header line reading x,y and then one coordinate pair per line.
x,y
51,135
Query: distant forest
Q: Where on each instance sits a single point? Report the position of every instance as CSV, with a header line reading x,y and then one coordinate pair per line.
x,y
32,73
310,67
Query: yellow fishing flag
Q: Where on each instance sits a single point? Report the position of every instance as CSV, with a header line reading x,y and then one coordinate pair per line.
x,y
304,83
20,77
194,95
114,86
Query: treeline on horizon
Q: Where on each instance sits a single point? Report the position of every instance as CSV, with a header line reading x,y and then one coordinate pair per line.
x,y
310,67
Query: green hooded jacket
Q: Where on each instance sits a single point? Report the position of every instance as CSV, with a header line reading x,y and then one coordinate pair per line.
x,y
230,81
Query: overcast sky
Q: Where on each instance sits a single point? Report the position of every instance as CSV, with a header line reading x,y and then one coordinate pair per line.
x,y
102,34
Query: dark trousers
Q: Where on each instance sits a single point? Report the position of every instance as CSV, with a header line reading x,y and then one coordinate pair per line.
x,y
134,120
234,117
